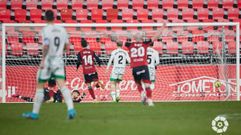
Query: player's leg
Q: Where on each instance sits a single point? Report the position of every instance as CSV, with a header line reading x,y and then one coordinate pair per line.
x,y
152,73
42,77
59,74
88,80
147,83
113,79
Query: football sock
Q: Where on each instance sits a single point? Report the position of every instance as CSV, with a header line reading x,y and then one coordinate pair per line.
x,y
91,91
38,100
113,95
67,97
139,88
148,92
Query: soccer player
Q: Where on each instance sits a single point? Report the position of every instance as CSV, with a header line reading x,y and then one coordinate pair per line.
x,y
55,40
119,57
153,60
86,57
138,55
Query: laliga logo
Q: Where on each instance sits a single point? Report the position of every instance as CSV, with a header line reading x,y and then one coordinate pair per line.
x,y
220,124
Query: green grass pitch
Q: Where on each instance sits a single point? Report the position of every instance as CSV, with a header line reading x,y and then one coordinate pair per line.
x,y
180,118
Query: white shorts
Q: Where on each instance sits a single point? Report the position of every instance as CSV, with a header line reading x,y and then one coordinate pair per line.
x,y
152,72
117,74
53,67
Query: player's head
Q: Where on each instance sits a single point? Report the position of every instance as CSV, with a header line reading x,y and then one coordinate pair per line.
x,y
75,94
49,16
51,82
84,43
119,44
138,36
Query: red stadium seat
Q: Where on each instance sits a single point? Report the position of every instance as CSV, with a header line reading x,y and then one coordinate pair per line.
x,y
187,48
197,4
107,4
231,47
32,49
20,15
96,14
62,4
66,14
3,4
172,48
111,14
218,13
81,14
5,15
167,4
16,4
35,14
172,14
233,13
152,4
213,35
92,4
122,4
17,49
187,14
109,47
77,4
158,46
228,4
47,4
202,13
142,14
31,4
12,37
213,3
75,39
217,47
182,36
137,4
229,35
28,36
127,14
77,47
239,3
157,14
198,35
202,47
182,4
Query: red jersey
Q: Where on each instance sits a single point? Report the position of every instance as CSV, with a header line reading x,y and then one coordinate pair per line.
x,y
86,57
138,53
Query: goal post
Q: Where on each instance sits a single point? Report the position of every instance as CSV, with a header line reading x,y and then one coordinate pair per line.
x,y
173,69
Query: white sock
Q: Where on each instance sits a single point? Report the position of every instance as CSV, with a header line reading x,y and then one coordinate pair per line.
x,y
118,93
113,95
67,97
38,100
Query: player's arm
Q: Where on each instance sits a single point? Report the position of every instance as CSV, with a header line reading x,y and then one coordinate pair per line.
x,y
128,58
159,32
157,59
78,63
97,59
45,51
110,61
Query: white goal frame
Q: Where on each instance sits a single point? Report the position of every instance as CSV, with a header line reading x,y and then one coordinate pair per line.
x,y
236,24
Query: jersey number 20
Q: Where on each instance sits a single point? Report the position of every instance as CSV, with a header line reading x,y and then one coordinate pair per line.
x,y
137,52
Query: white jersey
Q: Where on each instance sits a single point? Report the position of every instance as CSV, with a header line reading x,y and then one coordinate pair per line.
x,y
120,57
152,57
55,37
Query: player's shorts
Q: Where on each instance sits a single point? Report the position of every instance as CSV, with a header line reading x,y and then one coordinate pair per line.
x,y
152,72
141,73
53,67
91,77
117,74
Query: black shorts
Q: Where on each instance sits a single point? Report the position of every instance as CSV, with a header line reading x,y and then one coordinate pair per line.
x,y
91,77
141,73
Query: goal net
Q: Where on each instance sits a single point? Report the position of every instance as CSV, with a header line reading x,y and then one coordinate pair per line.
x,y
198,61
